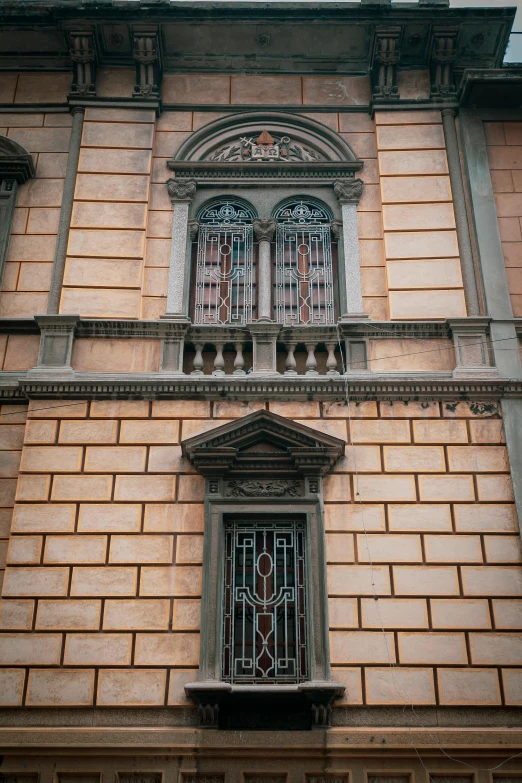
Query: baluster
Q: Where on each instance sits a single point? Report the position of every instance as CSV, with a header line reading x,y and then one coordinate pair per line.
x,y
239,361
197,362
311,362
290,360
219,362
331,361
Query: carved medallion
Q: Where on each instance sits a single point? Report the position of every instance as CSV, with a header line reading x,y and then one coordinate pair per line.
x,y
265,148
250,488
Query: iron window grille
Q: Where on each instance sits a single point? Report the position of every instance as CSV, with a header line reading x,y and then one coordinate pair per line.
x,y
304,267
264,616
225,271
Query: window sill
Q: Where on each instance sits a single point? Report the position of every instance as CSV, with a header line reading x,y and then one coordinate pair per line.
x,y
255,706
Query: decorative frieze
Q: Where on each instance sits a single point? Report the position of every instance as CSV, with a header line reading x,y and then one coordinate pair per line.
x,y
249,488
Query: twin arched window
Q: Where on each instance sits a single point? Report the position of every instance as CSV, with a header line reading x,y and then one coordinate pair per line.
x,y
226,276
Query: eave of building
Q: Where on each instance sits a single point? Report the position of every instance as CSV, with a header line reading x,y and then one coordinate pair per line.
x,y
338,40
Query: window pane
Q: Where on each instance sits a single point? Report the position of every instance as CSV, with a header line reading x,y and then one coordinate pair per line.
x,y
264,623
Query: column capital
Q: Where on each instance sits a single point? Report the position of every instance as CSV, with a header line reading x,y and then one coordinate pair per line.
x,y
264,229
448,113
348,191
181,190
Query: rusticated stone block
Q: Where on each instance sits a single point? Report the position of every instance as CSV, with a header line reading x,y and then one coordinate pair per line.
x,y
178,581
60,687
36,582
348,647
459,614
111,649
177,649
174,518
414,686
469,686
113,518
441,648
11,687
104,581
16,615
131,688
394,613
136,615
389,548
358,580
70,615
30,649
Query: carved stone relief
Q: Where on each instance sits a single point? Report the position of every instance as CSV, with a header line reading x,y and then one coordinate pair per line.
x,y
265,148
259,489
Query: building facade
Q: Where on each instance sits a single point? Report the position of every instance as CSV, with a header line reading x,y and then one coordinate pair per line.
x,y
261,393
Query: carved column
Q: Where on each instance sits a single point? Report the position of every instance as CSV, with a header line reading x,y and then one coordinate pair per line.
x,y
461,216
349,192
181,192
62,239
264,231
443,55
386,58
147,59
83,55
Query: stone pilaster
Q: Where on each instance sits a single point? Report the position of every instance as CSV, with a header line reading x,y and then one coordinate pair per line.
x,y
349,193
62,239
461,217
181,193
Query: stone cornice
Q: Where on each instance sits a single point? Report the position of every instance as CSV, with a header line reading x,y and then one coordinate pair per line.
x,y
274,173
111,328
399,386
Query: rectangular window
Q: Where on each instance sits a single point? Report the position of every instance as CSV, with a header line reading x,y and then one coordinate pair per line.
x,y
264,618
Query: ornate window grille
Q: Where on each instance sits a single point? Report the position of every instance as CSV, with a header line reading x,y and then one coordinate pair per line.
x,y
264,618
304,276
225,274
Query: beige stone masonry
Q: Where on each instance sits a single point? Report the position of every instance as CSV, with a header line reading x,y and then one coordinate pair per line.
x,y
104,563
422,258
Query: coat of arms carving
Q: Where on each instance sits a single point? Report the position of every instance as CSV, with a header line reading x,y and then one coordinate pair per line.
x,y
265,148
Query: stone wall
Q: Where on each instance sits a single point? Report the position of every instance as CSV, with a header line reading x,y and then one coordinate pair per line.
x,y
101,595
504,140
119,244
27,274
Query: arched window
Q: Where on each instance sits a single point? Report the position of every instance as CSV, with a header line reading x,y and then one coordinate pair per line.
x,y
225,273
304,268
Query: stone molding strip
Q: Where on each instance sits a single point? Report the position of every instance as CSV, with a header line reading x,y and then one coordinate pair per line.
x,y
112,328
123,386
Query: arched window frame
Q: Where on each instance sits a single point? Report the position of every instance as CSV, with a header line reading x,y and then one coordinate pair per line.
x,y
304,274
224,280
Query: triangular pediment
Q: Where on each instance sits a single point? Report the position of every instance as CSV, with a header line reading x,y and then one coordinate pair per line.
x,y
263,442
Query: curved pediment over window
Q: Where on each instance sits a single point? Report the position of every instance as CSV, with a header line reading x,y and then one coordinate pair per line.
x,y
259,137
15,161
